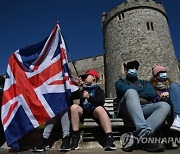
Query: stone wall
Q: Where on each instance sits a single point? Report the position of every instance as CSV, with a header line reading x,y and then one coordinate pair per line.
x,y
82,65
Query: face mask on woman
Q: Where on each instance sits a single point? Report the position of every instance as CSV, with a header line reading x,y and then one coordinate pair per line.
x,y
163,76
132,73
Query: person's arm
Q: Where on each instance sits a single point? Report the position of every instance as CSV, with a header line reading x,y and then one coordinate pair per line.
x,y
98,99
75,94
148,91
122,86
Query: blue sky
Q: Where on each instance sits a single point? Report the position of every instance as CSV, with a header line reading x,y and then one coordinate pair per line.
x,y
27,22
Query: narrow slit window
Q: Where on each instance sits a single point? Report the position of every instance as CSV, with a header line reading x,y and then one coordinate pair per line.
x,y
148,27
102,76
121,16
152,26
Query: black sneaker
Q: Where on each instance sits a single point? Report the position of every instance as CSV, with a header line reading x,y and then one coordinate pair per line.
x,y
110,145
43,146
150,146
153,147
14,147
76,139
65,146
2,139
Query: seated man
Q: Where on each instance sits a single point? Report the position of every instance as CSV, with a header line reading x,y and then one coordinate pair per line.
x,y
91,104
137,102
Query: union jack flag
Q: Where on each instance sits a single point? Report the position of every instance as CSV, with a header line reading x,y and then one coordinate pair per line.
x,y
37,86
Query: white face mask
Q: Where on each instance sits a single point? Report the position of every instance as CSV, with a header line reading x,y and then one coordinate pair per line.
x,y
132,73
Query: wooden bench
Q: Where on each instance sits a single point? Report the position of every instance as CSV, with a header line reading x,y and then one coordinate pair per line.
x,y
90,130
110,105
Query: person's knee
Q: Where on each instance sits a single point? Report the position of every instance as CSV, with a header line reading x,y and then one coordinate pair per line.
x,y
164,106
131,92
99,109
74,108
173,85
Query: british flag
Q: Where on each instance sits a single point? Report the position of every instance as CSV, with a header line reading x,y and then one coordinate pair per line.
x,y
37,86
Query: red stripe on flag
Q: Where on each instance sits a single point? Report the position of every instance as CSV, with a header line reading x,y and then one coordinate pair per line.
x,y
63,53
11,109
73,83
50,71
59,82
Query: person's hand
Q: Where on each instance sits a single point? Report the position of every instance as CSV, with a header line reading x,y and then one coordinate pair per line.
x,y
164,94
80,82
86,95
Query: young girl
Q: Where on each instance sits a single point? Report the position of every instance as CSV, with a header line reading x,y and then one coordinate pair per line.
x,y
168,91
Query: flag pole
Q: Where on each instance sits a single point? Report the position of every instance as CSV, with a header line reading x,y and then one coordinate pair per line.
x,y
69,53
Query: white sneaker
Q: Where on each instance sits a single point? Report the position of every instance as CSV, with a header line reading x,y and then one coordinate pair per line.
x,y
176,124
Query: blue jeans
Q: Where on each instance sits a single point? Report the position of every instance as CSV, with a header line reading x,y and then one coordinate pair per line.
x,y
146,118
174,92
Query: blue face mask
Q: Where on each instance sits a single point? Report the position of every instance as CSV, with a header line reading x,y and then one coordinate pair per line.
x,y
132,73
163,76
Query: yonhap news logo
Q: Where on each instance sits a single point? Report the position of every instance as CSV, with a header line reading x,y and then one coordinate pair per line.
x,y
158,140
127,140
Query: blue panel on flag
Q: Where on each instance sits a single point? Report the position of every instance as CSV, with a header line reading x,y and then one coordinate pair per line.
x,y
30,53
7,75
19,126
57,101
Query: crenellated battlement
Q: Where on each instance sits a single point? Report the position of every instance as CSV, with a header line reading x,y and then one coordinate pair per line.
x,y
132,5
96,59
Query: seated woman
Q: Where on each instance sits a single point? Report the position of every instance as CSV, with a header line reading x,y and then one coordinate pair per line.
x,y
168,91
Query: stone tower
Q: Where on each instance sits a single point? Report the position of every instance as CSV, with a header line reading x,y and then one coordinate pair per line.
x,y
137,30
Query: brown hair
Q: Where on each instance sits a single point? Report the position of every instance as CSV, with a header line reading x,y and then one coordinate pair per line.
x,y
154,81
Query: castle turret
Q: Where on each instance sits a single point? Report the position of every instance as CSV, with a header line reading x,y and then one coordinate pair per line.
x,y
137,30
